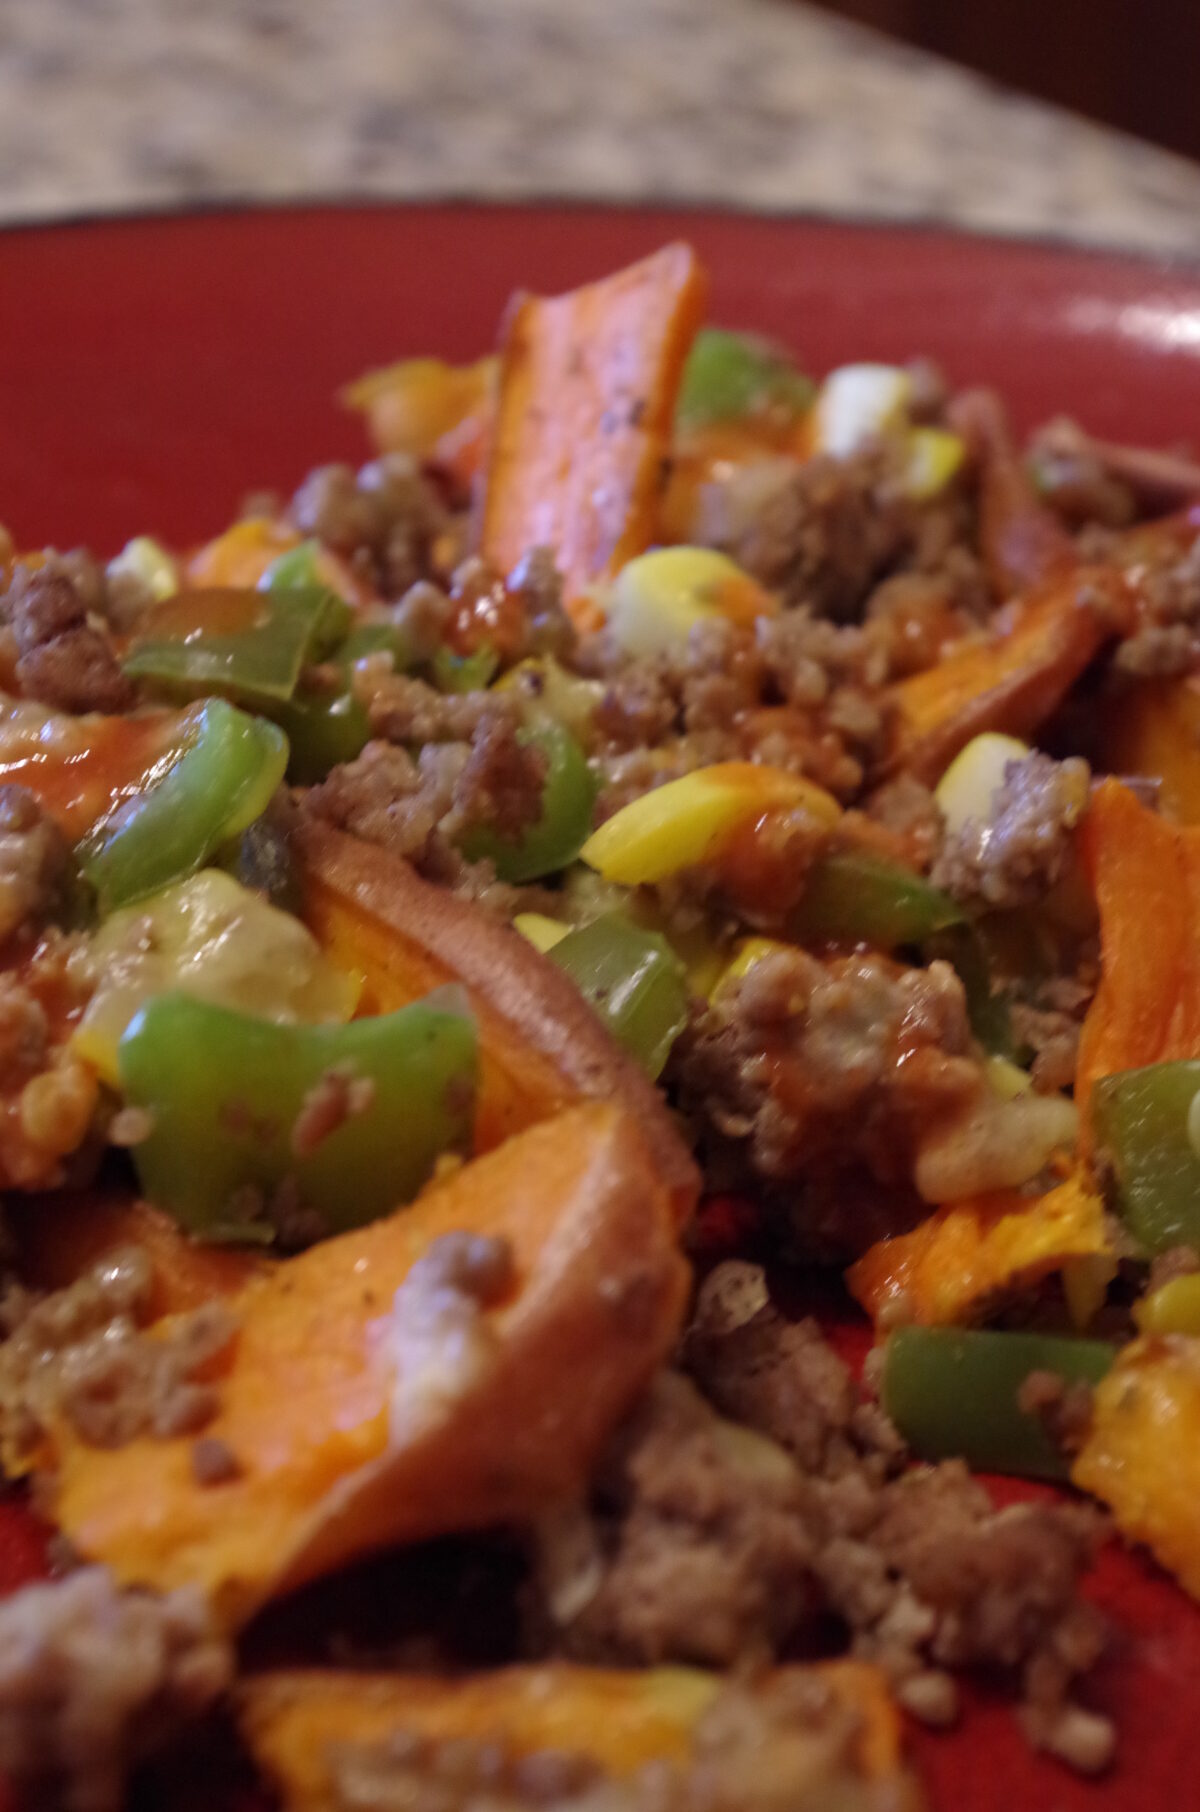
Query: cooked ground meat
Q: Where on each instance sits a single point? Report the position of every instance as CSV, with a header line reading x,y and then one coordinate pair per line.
x,y
801,1062
384,520
63,657
907,808
92,1680
48,1096
785,1742
1063,1406
711,1542
339,1095
1179,1261
1048,1013
1014,855
823,532
34,857
1168,640
1072,477
80,1353
795,692
484,775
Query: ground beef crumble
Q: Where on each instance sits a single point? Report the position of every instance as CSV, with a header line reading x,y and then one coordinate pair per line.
x,y
803,1060
64,654
712,1541
93,1679
1015,854
34,860
80,1353
385,519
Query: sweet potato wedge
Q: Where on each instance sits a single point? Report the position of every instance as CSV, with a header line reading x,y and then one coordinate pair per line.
x,y
349,1431
586,406
1153,729
1013,679
1142,1453
846,1748
949,1267
1023,541
1146,876
541,1044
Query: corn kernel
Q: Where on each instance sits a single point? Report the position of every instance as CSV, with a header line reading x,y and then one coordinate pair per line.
x,y
657,600
856,403
686,821
542,932
971,782
1173,1309
149,563
932,457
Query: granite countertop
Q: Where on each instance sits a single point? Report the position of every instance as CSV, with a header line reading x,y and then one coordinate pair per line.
x,y
107,105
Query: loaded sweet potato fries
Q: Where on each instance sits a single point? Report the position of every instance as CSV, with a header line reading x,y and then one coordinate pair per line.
x,y
478,940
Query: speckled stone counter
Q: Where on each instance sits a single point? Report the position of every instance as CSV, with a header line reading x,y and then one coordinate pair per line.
x,y
116,104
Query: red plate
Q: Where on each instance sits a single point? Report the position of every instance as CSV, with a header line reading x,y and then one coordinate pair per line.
x,y
153,371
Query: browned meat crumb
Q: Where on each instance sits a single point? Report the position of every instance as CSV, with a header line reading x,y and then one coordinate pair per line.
x,y
1017,853
337,1097
823,532
710,1541
906,807
1168,641
80,1353
781,1377
384,520
1073,478
788,1742
63,658
33,861
802,1061
93,1679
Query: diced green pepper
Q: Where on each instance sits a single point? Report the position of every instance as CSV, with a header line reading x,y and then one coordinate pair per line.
x,y
1141,1124
249,646
561,830
297,569
324,727
376,638
952,1393
218,782
464,672
732,375
987,1010
225,1095
853,897
635,982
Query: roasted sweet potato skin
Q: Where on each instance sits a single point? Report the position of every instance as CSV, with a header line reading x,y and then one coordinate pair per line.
x,y
541,1044
294,1722
588,382
336,1451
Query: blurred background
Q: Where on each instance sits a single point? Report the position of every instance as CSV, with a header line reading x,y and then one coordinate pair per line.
x,y
853,107
1130,63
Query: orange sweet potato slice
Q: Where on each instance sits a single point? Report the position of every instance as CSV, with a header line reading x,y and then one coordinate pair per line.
x,y
541,1044
586,407
1012,679
1153,729
1142,1453
952,1264
349,1433
1146,876
295,1722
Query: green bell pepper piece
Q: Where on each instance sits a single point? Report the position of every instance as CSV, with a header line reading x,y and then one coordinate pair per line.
x,y
952,1393
732,375
988,1011
568,797
324,728
251,647
635,982
294,570
853,897
464,672
221,779
224,1091
1140,1119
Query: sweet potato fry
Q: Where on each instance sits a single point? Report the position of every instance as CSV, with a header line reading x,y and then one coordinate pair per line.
x,y
1153,730
353,1425
1023,542
1146,875
847,1745
587,397
1142,1453
1013,679
541,1044
948,1268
